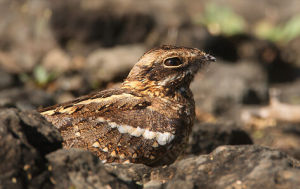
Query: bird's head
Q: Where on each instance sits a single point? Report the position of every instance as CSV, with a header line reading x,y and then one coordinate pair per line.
x,y
166,68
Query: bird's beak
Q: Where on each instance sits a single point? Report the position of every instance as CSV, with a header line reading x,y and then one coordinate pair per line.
x,y
209,58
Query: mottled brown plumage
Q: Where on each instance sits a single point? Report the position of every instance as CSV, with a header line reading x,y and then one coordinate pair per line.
x,y
147,120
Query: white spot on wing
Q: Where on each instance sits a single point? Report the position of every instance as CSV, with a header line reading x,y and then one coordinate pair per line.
x,y
113,125
164,138
149,134
124,128
161,138
137,132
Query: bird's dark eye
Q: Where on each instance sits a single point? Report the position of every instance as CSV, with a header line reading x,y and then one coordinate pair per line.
x,y
175,61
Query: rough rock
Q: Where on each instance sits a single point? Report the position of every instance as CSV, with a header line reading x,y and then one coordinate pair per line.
x,y
245,166
206,137
245,9
109,23
288,93
104,65
284,137
81,169
57,61
24,49
281,135
27,141
74,82
6,80
226,86
25,137
237,167
25,98
290,51
8,63
138,173
29,160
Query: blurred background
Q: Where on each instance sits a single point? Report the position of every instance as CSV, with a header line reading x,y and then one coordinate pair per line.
x,y
54,51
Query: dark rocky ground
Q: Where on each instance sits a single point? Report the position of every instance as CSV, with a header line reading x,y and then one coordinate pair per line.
x,y
50,53
32,157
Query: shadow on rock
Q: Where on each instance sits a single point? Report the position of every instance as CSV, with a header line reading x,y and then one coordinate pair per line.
x,y
29,160
25,138
206,137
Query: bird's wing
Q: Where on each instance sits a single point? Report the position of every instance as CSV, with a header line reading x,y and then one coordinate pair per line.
x,y
106,104
112,124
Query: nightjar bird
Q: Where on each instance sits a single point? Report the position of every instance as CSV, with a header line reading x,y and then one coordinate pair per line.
x,y
147,120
